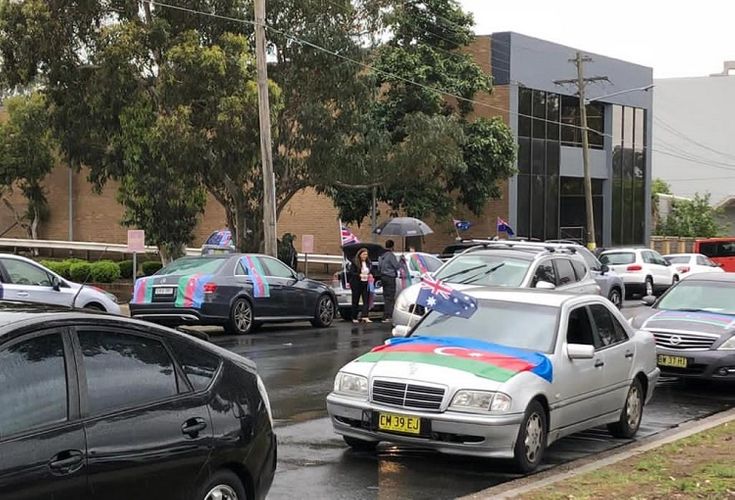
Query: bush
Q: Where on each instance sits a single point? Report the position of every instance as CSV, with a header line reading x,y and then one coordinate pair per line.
x,y
80,271
105,271
126,269
151,267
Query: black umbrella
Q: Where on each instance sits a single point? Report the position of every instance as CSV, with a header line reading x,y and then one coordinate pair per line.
x,y
403,226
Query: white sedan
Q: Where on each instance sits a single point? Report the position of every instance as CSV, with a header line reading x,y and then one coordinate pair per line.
x,y
528,368
692,263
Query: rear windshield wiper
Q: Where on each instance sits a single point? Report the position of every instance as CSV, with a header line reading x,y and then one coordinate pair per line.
x,y
477,276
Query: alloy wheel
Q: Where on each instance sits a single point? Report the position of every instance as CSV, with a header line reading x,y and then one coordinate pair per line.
x,y
326,310
243,316
221,492
534,432
633,407
616,298
649,286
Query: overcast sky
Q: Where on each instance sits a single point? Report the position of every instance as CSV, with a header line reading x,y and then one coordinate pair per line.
x,y
674,37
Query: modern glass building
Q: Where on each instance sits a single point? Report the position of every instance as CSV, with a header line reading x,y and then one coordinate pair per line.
x,y
546,197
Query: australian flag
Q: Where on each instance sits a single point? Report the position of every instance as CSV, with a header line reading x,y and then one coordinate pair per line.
x,y
462,225
504,227
441,298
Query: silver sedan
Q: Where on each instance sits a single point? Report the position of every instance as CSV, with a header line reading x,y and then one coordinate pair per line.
x,y
529,367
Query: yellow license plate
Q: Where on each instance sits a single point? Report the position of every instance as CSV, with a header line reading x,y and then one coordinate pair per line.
x,y
399,423
672,361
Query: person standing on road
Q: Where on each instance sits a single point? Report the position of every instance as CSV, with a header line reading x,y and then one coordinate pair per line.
x,y
389,267
359,275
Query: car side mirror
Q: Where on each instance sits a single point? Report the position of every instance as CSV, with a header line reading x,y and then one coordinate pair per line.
x,y
55,283
604,268
648,300
401,330
300,276
545,285
580,351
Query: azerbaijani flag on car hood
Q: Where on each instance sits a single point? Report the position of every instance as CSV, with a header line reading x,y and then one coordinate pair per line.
x,y
484,359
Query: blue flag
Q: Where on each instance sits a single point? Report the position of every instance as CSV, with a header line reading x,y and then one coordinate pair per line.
x,y
504,227
439,297
462,225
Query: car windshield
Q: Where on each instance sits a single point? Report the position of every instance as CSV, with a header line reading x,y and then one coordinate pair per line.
x,y
700,296
192,265
678,259
612,259
485,269
512,324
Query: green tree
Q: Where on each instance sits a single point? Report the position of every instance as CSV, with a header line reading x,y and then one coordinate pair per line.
x,y
27,156
693,218
658,187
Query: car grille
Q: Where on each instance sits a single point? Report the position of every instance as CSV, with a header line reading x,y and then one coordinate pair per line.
x,y
407,395
685,341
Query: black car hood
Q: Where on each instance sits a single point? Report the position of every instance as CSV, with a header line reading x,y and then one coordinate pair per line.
x,y
690,321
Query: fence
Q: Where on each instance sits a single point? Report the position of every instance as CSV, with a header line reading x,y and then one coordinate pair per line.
x,y
672,244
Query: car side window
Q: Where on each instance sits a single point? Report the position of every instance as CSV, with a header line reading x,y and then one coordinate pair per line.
x,y
33,384
276,268
657,259
564,272
544,272
240,270
703,261
648,257
23,273
124,370
579,270
579,328
198,365
608,329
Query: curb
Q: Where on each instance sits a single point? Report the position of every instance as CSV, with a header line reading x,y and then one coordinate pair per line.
x,y
568,470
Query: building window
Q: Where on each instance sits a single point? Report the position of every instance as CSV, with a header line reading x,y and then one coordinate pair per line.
x,y
571,123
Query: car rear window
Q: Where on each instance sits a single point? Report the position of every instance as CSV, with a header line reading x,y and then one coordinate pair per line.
x,y
616,258
192,265
679,259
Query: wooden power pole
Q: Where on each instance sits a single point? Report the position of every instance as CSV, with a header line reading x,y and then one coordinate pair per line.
x,y
266,148
581,83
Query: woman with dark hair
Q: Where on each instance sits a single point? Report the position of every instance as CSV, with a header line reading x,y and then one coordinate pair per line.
x,y
359,275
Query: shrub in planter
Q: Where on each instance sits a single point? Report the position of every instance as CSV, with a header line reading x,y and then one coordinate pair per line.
x,y
105,271
80,271
60,267
150,267
126,269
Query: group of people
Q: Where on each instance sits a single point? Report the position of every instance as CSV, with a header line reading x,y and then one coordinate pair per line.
x,y
360,277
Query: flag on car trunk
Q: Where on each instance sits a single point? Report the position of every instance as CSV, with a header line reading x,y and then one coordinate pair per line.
x,y
439,297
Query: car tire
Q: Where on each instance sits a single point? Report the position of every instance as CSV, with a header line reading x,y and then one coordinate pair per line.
x,y
648,288
324,314
241,318
531,441
616,297
360,444
95,307
675,280
631,414
223,485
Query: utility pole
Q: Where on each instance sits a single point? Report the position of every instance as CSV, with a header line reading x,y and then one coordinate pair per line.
x,y
581,83
266,148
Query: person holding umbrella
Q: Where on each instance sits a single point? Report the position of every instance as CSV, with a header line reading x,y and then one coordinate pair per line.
x,y
359,276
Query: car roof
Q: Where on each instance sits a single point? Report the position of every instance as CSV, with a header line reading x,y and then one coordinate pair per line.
x,y
521,295
718,277
626,250
682,254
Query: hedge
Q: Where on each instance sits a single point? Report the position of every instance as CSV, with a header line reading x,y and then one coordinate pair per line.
x,y
105,271
60,267
126,269
80,271
151,267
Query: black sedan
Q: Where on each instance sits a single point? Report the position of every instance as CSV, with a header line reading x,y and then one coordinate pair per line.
x,y
103,407
237,291
694,327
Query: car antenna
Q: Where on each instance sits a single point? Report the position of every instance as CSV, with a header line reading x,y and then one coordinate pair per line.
x,y
86,279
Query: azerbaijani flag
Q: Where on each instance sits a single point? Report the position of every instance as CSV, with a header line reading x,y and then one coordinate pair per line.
x,y
484,359
190,291
257,276
143,291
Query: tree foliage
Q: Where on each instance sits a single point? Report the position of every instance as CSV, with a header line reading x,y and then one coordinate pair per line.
x,y
27,156
693,218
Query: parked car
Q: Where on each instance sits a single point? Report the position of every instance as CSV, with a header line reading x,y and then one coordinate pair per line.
x,y
643,271
95,406
417,263
611,285
694,327
692,263
237,291
720,250
26,280
506,264
528,368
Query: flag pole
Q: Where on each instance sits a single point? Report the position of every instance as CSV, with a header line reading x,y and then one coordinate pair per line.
x,y
459,238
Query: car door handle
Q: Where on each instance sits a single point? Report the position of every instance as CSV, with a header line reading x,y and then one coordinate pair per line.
x,y
67,461
193,426
599,363
22,294
628,354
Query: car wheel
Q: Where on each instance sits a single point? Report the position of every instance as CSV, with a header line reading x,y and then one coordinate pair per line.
x,y
531,442
616,298
95,307
360,444
649,286
630,416
241,318
324,314
675,280
223,485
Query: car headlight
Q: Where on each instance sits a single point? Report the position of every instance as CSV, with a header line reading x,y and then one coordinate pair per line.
x,y
347,383
481,401
729,344
264,397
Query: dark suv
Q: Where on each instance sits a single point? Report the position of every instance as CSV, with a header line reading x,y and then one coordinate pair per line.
x,y
103,407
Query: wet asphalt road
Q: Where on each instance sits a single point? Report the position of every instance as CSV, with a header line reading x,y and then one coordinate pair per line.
x,y
298,364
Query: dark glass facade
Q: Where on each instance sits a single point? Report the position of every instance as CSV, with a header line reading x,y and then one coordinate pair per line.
x,y
628,175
